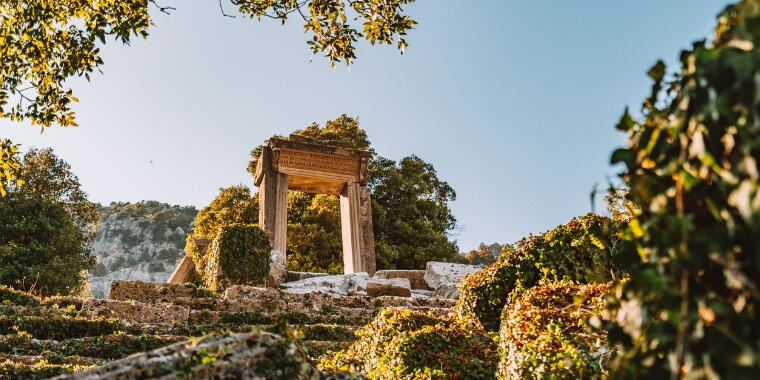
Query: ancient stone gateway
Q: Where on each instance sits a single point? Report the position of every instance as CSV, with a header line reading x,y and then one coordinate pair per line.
x,y
319,167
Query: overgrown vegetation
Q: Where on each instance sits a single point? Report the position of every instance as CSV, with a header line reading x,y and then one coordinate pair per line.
x,y
406,344
692,305
239,255
545,334
580,251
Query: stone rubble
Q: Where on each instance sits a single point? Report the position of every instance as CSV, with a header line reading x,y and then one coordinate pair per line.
x,y
354,283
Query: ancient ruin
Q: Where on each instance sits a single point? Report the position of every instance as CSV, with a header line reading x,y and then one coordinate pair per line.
x,y
320,167
313,166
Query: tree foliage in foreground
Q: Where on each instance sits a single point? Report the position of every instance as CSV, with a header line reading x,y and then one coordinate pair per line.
x,y
692,305
46,230
46,42
10,167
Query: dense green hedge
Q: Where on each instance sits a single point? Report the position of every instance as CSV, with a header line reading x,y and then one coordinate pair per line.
x,y
238,255
545,334
580,251
13,296
59,327
406,344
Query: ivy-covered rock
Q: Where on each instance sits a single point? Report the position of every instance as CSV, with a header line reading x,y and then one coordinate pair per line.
x,y
545,334
580,251
239,255
406,344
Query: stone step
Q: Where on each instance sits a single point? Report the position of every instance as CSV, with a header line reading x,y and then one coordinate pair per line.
x,y
241,297
112,346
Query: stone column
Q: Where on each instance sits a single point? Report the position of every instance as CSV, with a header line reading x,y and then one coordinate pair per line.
x,y
368,235
356,227
273,219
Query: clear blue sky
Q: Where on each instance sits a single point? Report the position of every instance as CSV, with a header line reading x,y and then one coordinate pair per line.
x,y
513,102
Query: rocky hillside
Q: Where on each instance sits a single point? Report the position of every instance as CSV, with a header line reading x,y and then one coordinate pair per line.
x,y
139,241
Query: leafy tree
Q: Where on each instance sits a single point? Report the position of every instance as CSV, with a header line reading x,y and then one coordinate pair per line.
x,y
692,305
45,42
485,254
233,205
410,213
50,178
10,167
46,230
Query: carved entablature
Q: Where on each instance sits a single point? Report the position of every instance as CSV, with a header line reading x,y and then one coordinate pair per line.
x,y
313,166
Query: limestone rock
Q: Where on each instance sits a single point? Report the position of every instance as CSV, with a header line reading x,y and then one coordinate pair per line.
x,y
439,274
354,283
399,287
424,294
446,291
295,276
415,277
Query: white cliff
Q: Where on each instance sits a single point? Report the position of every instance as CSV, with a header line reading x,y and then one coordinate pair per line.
x,y
139,241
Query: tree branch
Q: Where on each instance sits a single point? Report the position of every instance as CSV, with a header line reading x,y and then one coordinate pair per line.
x,y
166,10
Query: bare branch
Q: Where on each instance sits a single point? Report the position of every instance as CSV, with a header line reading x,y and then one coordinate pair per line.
x,y
221,8
166,10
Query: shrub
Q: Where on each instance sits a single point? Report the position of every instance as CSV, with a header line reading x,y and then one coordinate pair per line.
x,y
409,344
239,255
16,297
580,251
545,334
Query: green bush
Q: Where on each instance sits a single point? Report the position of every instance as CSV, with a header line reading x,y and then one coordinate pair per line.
x,y
406,344
580,251
16,297
545,334
239,255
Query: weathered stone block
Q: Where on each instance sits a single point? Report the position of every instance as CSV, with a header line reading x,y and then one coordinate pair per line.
x,y
296,276
398,287
438,274
416,277
354,283
136,312
149,292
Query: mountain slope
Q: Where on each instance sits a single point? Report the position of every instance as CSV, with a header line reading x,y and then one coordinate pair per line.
x,y
138,241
